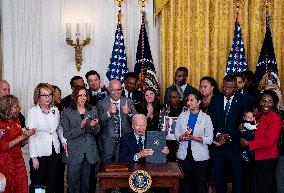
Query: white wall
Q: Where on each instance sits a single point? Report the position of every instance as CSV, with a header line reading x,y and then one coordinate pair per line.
x,y
34,48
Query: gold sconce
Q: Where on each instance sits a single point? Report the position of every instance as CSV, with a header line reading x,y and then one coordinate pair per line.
x,y
78,45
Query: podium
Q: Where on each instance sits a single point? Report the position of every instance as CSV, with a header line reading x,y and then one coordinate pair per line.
x,y
163,175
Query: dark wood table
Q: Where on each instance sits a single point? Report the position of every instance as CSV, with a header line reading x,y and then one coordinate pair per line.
x,y
163,175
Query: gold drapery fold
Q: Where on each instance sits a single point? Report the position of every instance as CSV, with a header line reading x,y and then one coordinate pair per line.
x,y
198,34
159,5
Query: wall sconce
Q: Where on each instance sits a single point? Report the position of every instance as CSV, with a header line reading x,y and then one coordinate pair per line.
x,y
78,45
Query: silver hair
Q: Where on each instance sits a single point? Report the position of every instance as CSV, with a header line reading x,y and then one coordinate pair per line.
x,y
139,116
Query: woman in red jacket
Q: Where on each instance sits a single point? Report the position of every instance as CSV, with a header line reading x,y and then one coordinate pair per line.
x,y
265,144
12,164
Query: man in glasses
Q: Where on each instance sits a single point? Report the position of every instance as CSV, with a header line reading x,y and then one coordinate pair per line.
x,y
115,114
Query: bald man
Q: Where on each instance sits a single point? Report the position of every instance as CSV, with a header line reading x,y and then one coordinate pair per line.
x,y
115,115
4,91
4,88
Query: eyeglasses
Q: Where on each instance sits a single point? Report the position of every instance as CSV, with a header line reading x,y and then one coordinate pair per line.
x,y
115,90
46,95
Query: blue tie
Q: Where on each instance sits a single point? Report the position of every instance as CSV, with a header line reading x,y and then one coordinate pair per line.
x,y
140,144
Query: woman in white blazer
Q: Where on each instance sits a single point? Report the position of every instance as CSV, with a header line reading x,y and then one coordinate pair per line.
x,y
44,146
194,131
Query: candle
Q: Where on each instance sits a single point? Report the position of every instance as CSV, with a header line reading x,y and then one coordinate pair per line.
x,y
67,30
78,30
89,28
86,28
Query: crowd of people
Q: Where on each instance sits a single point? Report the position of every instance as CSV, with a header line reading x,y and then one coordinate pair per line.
x,y
218,137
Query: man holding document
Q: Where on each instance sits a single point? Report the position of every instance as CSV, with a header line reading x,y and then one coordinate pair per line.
x,y
132,148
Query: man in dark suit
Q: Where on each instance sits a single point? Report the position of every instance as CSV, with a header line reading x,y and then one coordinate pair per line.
x,y
115,116
225,111
95,91
240,88
132,148
130,89
180,85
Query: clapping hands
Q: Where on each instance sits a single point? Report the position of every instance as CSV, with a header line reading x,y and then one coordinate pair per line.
x,y
28,132
92,123
221,139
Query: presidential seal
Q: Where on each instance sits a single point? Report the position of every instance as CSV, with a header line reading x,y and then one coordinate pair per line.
x,y
140,181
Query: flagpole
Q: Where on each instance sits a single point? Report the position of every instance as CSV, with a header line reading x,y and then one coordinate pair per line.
x,y
237,45
119,3
142,74
267,26
237,9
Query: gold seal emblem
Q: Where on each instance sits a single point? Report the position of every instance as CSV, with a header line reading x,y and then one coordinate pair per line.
x,y
140,181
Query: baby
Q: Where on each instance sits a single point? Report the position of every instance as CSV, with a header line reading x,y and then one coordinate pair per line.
x,y
249,127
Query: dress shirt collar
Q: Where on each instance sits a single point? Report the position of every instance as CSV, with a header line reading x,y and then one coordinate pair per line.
x,y
183,87
138,136
126,93
96,92
116,102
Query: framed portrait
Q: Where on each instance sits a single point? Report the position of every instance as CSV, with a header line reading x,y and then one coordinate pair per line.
x,y
169,126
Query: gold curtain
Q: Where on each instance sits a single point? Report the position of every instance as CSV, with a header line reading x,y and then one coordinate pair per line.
x,y
198,34
159,5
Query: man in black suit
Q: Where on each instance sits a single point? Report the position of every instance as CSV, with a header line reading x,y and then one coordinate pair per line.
x,y
180,85
132,148
240,88
130,89
225,111
96,92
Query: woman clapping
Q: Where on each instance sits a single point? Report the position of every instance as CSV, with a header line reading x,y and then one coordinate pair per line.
x,y
13,137
80,124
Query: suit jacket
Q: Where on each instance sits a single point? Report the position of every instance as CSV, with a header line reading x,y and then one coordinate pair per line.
x,y
137,97
250,100
95,98
106,138
188,89
203,128
265,142
129,148
66,101
80,141
216,111
47,133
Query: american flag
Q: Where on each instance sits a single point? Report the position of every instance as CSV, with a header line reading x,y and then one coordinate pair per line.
x,y
266,69
118,61
237,59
